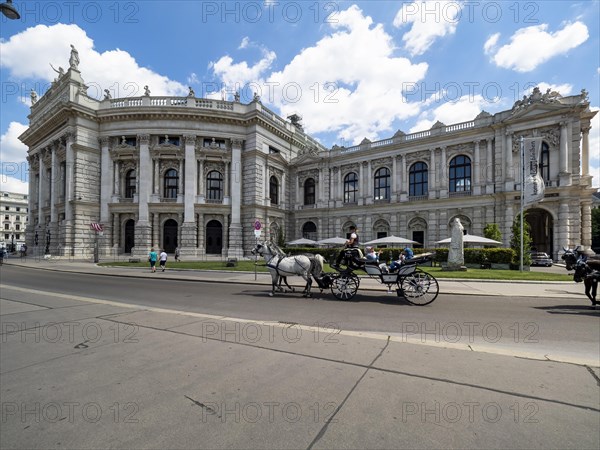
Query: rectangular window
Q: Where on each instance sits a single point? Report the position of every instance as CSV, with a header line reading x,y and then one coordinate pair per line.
x,y
214,143
17,227
6,217
18,209
6,226
18,236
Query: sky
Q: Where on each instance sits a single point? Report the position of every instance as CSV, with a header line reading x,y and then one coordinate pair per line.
x,y
351,70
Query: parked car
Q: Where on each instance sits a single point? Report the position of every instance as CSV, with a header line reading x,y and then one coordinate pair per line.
x,y
540,259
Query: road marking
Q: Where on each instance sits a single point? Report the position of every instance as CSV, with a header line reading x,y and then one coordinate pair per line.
x,y
541,353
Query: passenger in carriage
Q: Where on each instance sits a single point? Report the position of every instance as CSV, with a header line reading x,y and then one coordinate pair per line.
x,y
373,256
404,256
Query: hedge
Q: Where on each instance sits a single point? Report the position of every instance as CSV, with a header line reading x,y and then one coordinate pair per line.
x,y
472,255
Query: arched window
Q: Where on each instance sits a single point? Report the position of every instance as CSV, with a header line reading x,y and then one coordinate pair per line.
x,y
417,179
382,184
309,191
350,187
171,183
460,174
130,182
545,162
274,190
309,231
214,185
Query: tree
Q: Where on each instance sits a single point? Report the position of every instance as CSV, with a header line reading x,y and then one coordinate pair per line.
x,y
492,231
280,237
596,229
515,241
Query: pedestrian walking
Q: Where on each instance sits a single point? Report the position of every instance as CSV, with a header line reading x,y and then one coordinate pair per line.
x,y
152,257
177,254
163,259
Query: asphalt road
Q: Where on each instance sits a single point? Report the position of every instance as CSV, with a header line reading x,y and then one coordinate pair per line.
x,y
214,365
513,325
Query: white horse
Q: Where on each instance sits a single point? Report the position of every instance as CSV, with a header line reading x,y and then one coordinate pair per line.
x,y
281,266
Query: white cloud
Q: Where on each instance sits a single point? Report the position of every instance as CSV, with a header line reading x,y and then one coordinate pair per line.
x,y
490,44
11,184
241,73
245,43
336,94
12,156
29,54
563,89
464,109
11,149
193,79
531,46
430,20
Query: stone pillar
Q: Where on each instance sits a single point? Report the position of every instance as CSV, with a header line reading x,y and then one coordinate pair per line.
x,y
201,183
564,151
443,184
432,180
116,175
509,217
361,184
476,182
54,185
370,188
432,230
116,233
41,191
105,180
156,241
188,238
180,178
489,168
586,225
143,237
227,188
394,194
403,179
156,178
236,242
563,234
509,172
585,151
67,227
340,186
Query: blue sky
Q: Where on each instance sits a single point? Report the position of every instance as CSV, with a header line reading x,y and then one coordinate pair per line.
x,y
350,69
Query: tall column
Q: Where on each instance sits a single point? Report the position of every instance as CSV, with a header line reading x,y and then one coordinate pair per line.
x,y
443,183
201,183
67,228
188,228
54,185
394,196
265,187
227,192
586,225
489,168
105,180
585,151
403,179
236,242
564,174
509,171
156,177
361,184
340,186
370,188
116,232
298,190
563,234
180,179
476,183
41,191
143,228
432,171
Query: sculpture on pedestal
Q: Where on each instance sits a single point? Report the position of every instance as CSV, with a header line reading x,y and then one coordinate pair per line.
x,y
456,255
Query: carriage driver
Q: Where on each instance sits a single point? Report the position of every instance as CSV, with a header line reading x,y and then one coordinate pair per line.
x,y
353,242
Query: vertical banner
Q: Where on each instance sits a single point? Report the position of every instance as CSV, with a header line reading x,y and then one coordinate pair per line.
x,y
533,188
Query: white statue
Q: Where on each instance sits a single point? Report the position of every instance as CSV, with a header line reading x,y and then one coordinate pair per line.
x,y
456,254
74,58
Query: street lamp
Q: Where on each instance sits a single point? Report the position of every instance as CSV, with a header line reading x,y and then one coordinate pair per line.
x,y
47,242
9,10
12,242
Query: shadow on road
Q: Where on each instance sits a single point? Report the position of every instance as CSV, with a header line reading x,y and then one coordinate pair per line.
x,y
581,310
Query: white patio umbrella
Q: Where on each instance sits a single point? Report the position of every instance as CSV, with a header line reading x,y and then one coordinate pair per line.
x,y
302,241
472,239
390,240
332,241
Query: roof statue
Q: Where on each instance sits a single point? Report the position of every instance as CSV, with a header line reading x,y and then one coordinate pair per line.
x,y
74,58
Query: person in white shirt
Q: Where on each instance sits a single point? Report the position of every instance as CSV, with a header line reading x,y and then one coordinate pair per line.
x,y
163,260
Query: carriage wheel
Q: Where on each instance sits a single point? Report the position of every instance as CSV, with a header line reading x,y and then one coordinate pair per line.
x,y
345,286
420,288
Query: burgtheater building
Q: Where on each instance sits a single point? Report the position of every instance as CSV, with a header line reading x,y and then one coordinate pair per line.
x,y
196,174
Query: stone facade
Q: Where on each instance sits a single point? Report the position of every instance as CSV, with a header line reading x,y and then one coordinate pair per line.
x,y
14,207
196,173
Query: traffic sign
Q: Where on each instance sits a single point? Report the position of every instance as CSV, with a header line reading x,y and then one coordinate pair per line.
x,y
257,224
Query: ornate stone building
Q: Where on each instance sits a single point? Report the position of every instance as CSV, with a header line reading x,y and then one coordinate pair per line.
x,y
196,173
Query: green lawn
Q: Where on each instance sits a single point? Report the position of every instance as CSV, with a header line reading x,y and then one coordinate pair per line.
x,y
249,266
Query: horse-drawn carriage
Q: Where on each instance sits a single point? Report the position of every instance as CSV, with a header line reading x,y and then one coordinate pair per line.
x,y
410,282
587,269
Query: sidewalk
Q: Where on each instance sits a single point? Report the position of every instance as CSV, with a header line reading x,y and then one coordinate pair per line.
x,y
543,289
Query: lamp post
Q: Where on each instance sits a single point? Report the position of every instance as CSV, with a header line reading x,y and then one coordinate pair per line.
x,y
47,242
9,10
12,241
